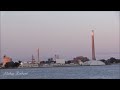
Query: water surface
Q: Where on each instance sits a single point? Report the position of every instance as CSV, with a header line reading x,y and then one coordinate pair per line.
x,y
78,72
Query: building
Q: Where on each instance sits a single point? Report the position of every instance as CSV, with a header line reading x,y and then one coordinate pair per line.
x,y
95,63
29,64
60,61
80,62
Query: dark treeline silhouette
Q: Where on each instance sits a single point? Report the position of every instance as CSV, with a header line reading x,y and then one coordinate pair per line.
x,y
110,61
50,61
82,58
12,64
76,60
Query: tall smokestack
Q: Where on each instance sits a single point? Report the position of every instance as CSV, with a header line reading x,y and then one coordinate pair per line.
x,y
93,46
38,56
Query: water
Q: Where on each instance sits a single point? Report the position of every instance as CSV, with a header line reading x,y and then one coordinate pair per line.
x,y
78,72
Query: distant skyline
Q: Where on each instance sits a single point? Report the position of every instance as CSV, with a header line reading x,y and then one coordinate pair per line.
x,y
66,33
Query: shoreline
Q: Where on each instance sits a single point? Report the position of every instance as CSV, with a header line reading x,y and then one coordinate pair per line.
x,y
49,66
52,66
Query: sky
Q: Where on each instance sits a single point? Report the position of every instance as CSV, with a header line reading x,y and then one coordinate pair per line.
x,y
66,33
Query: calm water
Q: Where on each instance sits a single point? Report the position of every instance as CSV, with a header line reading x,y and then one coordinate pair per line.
x,y
80,72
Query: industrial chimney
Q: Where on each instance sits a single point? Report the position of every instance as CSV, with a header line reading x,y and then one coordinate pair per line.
x,y
38,56
93,46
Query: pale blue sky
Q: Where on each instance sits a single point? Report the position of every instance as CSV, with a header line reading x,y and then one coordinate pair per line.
x,y
67,33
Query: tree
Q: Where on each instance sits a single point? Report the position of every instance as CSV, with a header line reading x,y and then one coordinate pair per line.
x,y
12,64
83,59
19,61
112,60
16,64
9,64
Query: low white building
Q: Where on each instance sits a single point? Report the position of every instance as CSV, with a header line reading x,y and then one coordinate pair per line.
x,y
28,64
60,61
93,63
80,62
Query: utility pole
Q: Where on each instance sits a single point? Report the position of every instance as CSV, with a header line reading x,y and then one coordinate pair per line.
x,y
33,60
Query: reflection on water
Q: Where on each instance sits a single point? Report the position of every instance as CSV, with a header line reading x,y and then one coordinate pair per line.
x,y
79,72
